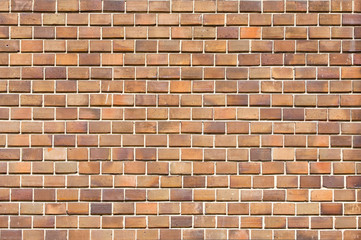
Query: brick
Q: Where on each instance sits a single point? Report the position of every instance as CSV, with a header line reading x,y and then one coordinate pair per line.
x,y
103,117
246,6
250,32
349,19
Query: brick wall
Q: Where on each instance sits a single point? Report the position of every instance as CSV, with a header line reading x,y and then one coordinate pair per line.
x,y
180,119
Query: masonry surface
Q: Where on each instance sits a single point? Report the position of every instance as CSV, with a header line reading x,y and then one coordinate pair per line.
x,y
180,119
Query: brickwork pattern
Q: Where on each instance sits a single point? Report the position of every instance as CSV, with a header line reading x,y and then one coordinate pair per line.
x,y
180,119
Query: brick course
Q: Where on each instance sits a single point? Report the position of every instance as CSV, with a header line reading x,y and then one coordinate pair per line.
x,y
180,119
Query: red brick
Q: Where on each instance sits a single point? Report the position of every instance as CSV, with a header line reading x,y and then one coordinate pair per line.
x,y
105,116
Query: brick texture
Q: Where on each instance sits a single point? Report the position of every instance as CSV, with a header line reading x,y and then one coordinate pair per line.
x,y
180,119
